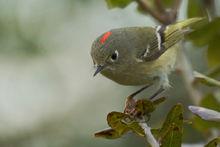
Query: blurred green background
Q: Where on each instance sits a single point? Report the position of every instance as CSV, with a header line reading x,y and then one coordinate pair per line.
x,y
48,96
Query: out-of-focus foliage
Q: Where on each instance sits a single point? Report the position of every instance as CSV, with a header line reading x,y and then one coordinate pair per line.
x,y
214,72
194,9
168,3
203,35
213,143
118,3
200,78
123,3
209,35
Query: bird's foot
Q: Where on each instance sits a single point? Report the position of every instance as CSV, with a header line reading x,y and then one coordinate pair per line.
x,y
142,107
157,93
130,106
131,103
138,109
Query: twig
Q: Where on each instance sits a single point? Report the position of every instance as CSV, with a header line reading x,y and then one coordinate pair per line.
x,y
163,16
171,15
176,6
149,136
160,6
159,17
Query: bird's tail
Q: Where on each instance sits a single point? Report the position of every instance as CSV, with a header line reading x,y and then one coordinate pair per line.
x,y
175,32
187,23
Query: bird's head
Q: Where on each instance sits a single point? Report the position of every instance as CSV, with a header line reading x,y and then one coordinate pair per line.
x,y
107,52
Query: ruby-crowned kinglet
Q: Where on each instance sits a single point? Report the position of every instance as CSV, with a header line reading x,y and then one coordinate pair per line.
x,y
139,55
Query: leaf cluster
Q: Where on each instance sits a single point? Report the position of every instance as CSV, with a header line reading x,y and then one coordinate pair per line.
x,y
169,134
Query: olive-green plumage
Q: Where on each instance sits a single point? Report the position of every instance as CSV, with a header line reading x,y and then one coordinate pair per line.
x,y
139,55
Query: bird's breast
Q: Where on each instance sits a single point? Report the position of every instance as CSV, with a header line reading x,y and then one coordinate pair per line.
x,y
130,76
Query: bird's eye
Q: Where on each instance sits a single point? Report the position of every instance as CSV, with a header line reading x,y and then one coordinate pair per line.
x,y
114,56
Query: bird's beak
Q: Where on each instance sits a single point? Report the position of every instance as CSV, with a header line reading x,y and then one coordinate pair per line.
x,y
99,69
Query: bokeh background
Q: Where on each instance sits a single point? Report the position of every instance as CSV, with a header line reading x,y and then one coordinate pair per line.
x,y
48,96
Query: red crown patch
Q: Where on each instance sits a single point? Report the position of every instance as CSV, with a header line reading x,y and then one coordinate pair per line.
x,y
105,37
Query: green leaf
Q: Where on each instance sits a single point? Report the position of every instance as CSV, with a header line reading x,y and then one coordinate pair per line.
x,y
108,134
213,143
168,3
118,3
145,107
118,121
205,80
214,72
209,35
194,9
171,132
214,51
209,102
136,128
123,123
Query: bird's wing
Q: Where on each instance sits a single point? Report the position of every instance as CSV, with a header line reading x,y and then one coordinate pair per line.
x,y
165,37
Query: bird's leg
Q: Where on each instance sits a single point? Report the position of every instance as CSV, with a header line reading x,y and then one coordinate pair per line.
x,y
131,102
157,93
139,91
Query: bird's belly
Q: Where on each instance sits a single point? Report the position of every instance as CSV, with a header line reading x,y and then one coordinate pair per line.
x,y
130,77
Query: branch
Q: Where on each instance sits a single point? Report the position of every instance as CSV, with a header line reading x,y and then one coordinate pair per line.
x,y
163,16
160,6
175,9
158,16
149,136
176,6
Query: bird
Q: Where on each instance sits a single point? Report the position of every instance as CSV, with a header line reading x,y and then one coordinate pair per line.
x,y
140,55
